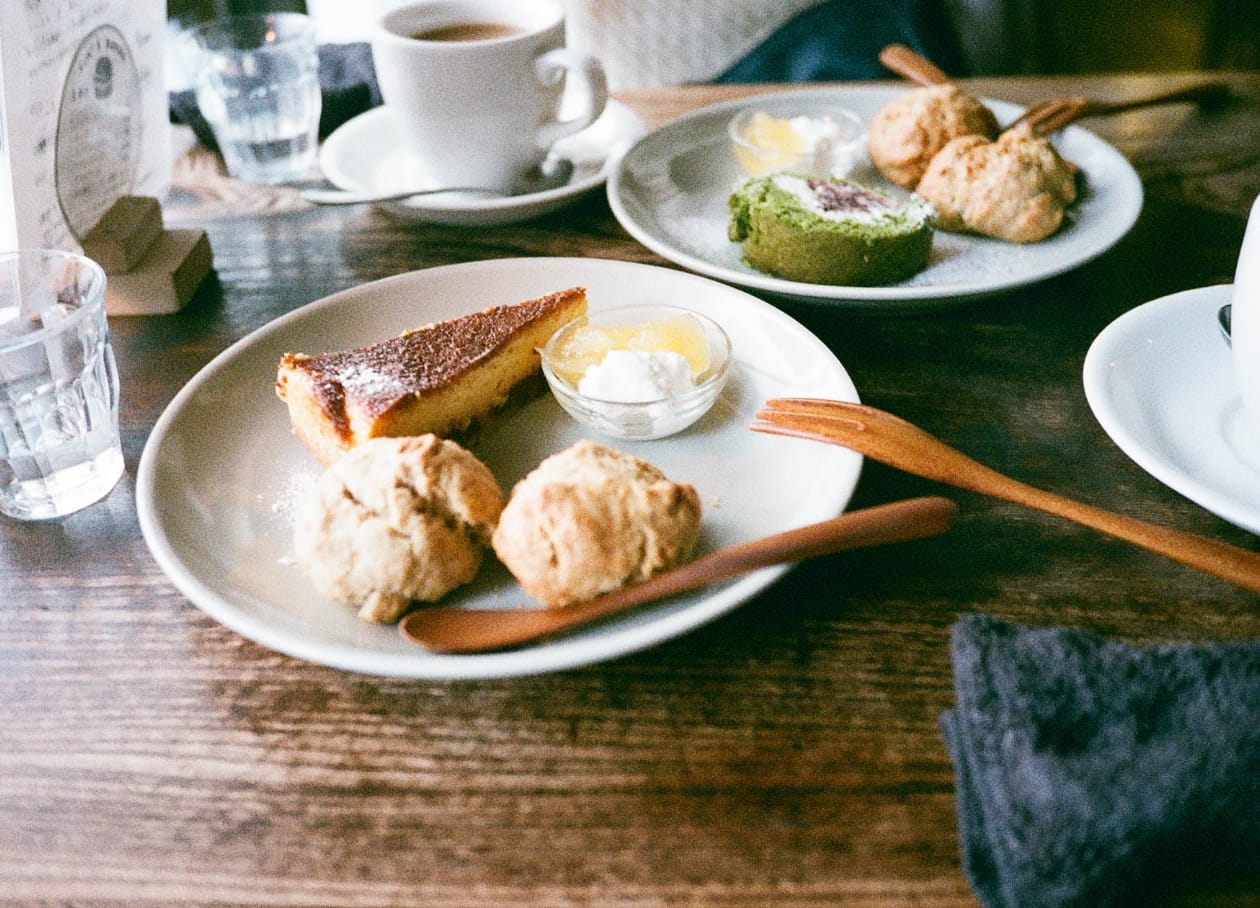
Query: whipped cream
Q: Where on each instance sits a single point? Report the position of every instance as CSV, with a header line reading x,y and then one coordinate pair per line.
x,y
824,142
824,145
635,376
863,206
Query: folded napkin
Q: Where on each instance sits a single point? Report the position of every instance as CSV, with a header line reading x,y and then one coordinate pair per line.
x,y
1094,772
347,83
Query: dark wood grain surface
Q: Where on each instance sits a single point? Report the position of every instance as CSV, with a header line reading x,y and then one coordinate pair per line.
x,y
786,755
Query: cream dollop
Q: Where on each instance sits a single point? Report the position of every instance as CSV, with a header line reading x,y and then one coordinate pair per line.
x,y
636,376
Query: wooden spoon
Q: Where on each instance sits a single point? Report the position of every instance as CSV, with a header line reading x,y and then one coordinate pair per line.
x,y
451,629
911,65
891,440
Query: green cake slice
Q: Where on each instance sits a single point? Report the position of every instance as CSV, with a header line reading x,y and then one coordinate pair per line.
x,y
829,231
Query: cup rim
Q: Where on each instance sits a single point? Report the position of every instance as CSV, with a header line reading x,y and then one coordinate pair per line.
x,y
94,298
524,14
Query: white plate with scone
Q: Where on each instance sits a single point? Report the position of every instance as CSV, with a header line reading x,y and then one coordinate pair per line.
x,y
670,192
218,488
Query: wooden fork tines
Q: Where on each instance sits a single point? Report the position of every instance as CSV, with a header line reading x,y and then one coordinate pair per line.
x,y
1048,116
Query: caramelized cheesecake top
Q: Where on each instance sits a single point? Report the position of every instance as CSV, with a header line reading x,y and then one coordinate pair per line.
x,y
376,377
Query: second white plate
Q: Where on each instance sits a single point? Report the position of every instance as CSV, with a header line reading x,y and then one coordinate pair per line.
x,y
221,472
670,191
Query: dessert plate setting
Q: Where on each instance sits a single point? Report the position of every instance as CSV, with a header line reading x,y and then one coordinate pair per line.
x,y
366,155
1160,382
216,500
670,191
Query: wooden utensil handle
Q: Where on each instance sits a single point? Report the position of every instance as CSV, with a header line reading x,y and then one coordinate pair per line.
x,y
897,522
1238,566
910,65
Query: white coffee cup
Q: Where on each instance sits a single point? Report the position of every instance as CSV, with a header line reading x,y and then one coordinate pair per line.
x,y
1245,318
483,110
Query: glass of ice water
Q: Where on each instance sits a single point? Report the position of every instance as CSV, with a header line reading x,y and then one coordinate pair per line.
x,y
257,84
59,445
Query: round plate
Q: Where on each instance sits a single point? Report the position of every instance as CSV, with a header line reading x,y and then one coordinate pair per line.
x,y
221,472
1160,382
670,190
366,154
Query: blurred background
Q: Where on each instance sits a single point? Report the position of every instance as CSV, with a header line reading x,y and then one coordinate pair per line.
x,y
654,42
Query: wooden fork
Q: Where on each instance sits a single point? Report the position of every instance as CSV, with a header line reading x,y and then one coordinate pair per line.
x,y
1048,116
893,441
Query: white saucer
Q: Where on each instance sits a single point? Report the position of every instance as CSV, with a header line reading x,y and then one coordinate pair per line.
x,y
365,154
1160,383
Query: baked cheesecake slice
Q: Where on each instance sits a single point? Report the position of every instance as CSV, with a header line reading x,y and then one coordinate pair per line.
x,y
438,378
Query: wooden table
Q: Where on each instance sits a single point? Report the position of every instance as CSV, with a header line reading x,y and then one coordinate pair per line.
x,y
788,754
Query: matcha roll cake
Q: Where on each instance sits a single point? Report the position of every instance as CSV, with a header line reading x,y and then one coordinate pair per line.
x,y
829,231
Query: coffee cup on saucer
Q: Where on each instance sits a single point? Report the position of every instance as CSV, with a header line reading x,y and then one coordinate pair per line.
x,y
479,90
1245,321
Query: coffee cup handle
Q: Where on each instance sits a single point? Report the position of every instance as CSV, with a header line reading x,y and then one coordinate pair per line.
x,y
550,68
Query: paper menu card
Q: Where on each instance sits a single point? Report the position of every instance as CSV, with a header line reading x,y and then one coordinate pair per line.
x,y
83,115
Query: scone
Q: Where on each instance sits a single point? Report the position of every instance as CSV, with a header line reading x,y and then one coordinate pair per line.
x,y
829,231
1015,189
592,519
907,132
396,520
439,378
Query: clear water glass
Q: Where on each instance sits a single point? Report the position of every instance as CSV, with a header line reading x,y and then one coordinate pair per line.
x,y
59,444
257,84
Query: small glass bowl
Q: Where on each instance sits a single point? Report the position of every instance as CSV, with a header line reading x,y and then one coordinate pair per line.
x,y
759,154
649,419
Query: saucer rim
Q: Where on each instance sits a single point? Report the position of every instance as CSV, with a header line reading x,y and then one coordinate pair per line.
x,y
471,209
1182,327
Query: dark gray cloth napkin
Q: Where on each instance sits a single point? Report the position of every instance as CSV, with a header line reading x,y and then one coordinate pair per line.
x,y
1094,772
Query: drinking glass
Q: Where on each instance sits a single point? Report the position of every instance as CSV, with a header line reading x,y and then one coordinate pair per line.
x,y
257,85
59,444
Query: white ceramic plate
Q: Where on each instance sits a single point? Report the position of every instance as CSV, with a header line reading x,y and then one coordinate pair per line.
x,y
1160,383
221,472
670,189
366,154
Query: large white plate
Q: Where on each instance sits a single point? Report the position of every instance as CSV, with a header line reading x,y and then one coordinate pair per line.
x,y
366,154
670,189
1160,383
221,472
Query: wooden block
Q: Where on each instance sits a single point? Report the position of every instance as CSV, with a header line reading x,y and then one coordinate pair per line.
x,y
125,233
165,279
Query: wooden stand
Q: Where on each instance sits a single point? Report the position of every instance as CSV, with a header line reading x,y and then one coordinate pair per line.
x,y
151,270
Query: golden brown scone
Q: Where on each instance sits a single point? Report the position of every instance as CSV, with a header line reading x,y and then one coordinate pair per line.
x,y
395,520
907,133
1016,188
592,519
